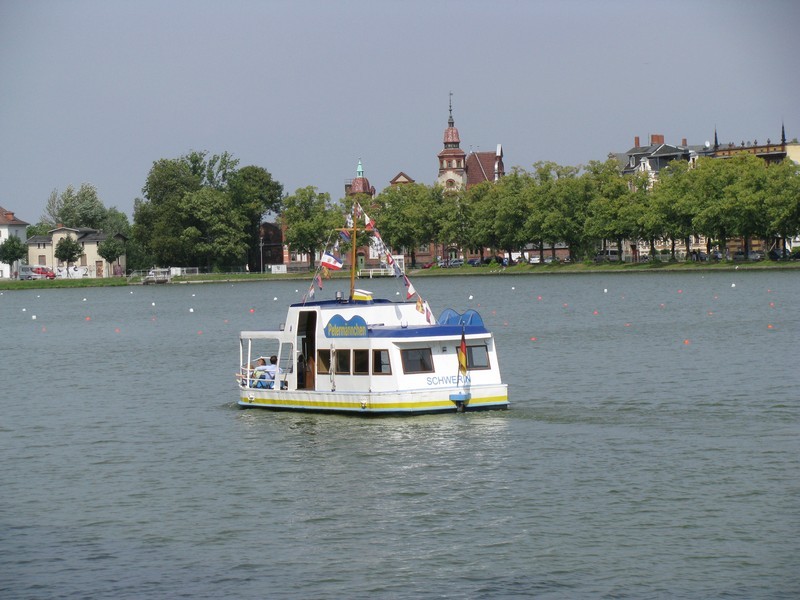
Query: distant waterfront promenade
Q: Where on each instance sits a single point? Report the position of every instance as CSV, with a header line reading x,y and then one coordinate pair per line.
x,y
523,269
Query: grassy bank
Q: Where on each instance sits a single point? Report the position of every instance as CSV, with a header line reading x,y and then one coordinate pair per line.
x,y
522,269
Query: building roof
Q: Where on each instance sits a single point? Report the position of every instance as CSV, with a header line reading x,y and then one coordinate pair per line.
x,y
481,166
39,239
401,178
83,234
7,218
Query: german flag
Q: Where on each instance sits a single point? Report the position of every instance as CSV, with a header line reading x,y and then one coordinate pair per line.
x,y
462,354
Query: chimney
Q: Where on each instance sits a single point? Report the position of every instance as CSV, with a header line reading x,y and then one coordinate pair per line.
x,y
656,138
9,215
636,142
683,142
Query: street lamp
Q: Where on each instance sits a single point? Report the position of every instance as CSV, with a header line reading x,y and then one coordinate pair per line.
x,y
262,254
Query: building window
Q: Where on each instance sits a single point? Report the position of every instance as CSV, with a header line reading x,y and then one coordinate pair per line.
x,y
417,360
83,260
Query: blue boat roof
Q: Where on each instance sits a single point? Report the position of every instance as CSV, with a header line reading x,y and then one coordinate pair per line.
x,y
425,331
334,302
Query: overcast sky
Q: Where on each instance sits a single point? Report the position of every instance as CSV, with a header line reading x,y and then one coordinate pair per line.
x,y
97,90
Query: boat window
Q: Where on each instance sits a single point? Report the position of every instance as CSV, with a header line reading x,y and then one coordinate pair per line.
x,y
417,360
380,363
343,362
323,361
360,362
477,357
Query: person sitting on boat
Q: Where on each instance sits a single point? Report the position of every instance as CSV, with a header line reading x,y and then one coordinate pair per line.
x,y
262,377
264,374
272,368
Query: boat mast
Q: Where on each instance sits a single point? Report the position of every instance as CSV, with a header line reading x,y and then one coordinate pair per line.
x,y
353,256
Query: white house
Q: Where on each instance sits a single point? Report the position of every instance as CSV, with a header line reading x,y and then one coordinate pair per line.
x,y
41,251
10,225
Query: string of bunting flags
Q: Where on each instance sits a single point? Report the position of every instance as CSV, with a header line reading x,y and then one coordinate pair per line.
x,y
330,262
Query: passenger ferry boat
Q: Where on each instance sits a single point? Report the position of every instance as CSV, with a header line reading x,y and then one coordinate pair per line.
x,y
363,355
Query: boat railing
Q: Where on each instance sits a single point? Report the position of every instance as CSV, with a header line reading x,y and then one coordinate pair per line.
x,y
370,273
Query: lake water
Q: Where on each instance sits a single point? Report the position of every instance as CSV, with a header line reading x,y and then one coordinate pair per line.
x,y
652,449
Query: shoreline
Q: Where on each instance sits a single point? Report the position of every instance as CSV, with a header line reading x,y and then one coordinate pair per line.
x,y
517,270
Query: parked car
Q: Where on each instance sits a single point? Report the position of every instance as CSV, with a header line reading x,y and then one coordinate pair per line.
x,y
28,272
427,265
608,254
535,259
475,262
775,254
456,262
44,272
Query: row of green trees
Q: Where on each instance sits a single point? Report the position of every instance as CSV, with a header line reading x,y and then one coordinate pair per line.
x,y
205,210
197,210
550,204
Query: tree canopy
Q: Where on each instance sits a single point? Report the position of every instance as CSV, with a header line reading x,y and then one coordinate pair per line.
x,y
12,249
68,250
203,210
309,217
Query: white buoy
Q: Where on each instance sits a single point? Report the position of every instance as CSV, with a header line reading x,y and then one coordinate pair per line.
x,y
470,296
191,310
733,285
605,290
33,317
152,304
275,299
513,288
24,310
84,299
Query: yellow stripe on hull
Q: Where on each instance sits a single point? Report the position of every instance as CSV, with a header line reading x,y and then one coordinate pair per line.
x,y
367,403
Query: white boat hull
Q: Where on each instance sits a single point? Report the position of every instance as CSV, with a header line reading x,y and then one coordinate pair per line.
x,y
411,402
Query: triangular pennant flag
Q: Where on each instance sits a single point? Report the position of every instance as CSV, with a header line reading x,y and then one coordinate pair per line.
x,y
411,291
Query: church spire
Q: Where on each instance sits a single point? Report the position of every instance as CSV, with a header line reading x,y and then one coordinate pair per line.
x,y
716,140
451,139
450,121
783,134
